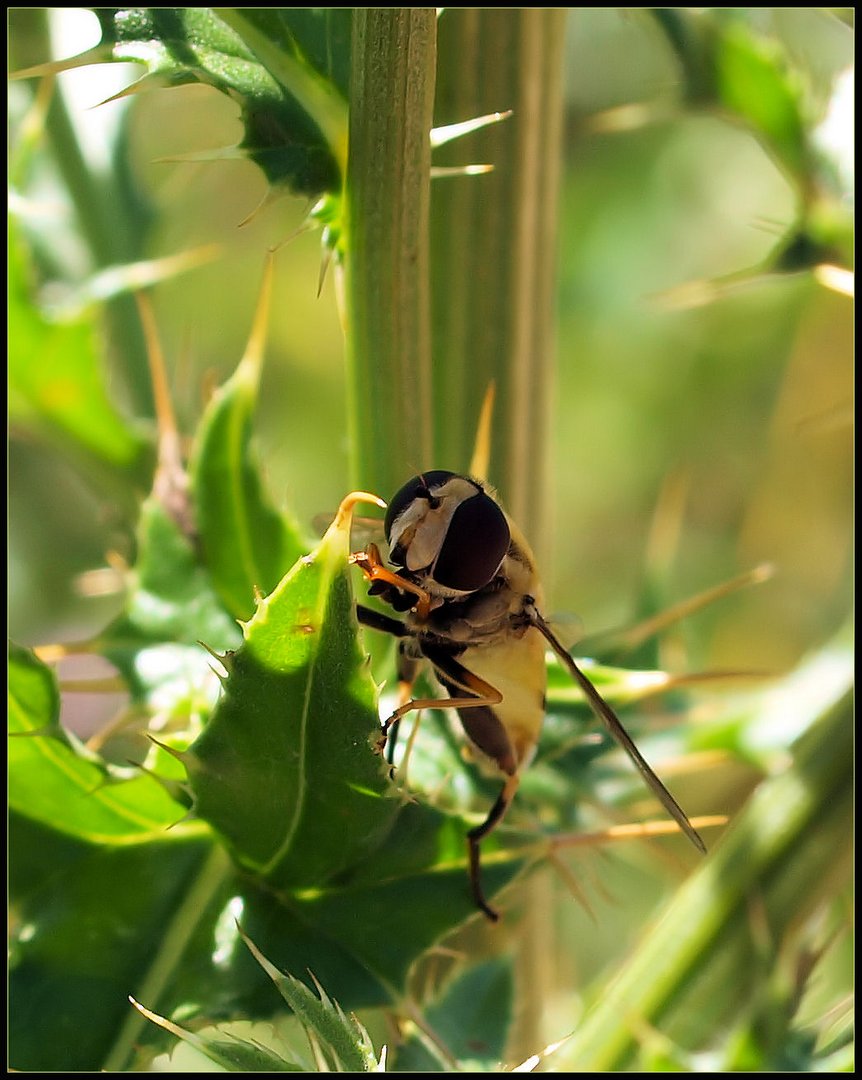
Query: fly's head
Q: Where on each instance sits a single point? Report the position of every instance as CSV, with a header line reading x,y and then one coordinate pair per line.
x,y
446,534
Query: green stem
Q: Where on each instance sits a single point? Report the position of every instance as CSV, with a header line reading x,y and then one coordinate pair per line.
x,y
215,870
494,246
695,972
493,252
386,267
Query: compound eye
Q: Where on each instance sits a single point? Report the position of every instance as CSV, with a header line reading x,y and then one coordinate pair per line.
x,y
420,487
476,543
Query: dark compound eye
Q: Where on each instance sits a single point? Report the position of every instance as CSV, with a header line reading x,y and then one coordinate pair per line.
x,y
417,488
476,541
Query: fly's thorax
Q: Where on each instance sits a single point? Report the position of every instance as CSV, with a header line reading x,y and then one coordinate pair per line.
x,y
481,618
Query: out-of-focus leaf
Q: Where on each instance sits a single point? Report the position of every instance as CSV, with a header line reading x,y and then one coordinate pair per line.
x,y
753,83
247,545
471,1017
57,388
474,1013
229,1051
171,607
54,782
618,685
109,919
789,845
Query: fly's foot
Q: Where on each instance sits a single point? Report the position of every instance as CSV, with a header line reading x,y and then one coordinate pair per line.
x,y
380,740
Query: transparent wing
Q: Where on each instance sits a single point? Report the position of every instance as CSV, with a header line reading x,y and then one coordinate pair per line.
x,y
612,722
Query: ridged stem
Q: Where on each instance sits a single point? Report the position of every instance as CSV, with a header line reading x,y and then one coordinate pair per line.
x,y
494,249
386,297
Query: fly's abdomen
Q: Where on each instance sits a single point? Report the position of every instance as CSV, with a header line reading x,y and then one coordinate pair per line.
x,y
507,732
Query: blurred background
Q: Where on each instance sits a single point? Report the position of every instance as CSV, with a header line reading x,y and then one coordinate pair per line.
x,y
697,432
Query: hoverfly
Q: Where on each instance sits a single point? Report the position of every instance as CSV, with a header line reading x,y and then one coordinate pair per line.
x,y
465,581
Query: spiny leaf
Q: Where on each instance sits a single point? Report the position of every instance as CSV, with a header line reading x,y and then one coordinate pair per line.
x,y
346,1040
308,52
285,769
229,1051
53,781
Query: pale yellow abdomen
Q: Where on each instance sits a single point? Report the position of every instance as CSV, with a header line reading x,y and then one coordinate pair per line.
x,y
516,667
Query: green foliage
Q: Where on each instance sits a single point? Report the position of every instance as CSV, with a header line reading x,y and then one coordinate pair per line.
x,y
57,783
291,110
57,388
764,870
338,1043
171,607
345,1043
234,826
471,1016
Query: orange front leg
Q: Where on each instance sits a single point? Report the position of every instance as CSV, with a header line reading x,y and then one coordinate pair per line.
x,y
370,563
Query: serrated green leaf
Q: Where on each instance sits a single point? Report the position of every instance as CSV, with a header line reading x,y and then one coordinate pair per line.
x,y
285,769
247,545
361,936
229,1051
292,146
345,1042
53,781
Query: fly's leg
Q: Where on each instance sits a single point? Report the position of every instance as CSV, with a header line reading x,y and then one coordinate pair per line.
x,y
506,762
407,666
483,696
475,836
468,694
370,563
407,669
487,732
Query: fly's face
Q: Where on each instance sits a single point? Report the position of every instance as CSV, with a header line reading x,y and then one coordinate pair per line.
x,y
446,533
